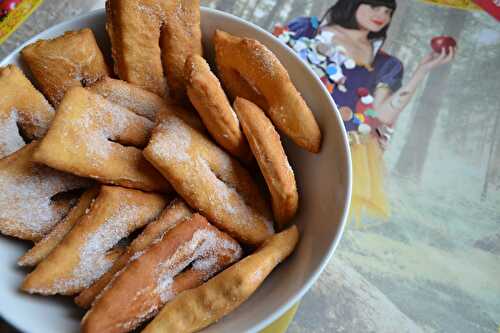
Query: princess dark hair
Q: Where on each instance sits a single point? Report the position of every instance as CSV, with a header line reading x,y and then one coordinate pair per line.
x,y
343,13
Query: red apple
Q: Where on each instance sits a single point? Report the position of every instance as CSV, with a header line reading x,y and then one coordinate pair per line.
x,y
443,42
6,6
9,5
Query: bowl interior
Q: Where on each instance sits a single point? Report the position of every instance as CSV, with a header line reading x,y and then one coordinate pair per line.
x,y
324,182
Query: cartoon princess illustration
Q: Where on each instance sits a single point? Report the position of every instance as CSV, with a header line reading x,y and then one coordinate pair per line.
x,y
344,49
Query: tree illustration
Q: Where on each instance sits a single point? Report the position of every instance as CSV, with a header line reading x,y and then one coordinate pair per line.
x,y
413,157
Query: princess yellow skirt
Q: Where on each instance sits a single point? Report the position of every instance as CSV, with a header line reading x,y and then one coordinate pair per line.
x,y
368,193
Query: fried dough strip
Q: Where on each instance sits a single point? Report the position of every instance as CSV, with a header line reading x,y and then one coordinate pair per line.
x,y
210,180
22,109
28,206
263,71
206,94
176,212
187,256
268,151
71,60
84,254
95,138
50,241
200,307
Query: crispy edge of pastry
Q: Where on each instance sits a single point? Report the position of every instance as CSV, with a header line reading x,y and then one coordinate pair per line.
x,y
161,273
210,180
29,207
50,241
66,270
262,70
237,86
200,307
16,91
143,102
176,211
180,37
134,27
71,60
81,141
206,94
266,146
140,101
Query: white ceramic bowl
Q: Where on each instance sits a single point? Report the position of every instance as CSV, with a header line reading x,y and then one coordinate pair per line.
x,y
324,182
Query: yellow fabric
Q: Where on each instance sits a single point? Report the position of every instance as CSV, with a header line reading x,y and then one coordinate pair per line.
x,y
16,17
368,194
281,325
459,4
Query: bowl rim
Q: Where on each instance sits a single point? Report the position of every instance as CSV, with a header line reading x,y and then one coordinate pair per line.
x,y
295,298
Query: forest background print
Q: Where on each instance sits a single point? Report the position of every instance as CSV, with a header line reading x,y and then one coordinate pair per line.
x,y
437,258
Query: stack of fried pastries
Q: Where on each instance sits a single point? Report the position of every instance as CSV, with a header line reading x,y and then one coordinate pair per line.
x,y
139,188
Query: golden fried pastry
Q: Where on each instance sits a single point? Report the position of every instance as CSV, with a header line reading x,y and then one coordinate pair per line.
x,y
29,207
134,30
22,108
186,256
210,180
200,307
138,28
237,86
262,70
82,257
129,96
189,116
266,146
176,212
181,37
71,60
206,94
95,138
50,241
142,102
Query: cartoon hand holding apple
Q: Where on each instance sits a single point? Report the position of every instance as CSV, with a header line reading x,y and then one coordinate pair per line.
x,y
443,52
443,42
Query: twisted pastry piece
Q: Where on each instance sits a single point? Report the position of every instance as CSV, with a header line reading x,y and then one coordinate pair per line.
x,y
187,256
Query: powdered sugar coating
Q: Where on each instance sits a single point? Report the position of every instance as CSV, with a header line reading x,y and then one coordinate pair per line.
x,y
203,245
264,57
141,102
136,255
153,11
207,250
105,123
22,105
26,192
210,180
93,261
10,139
227,198
175,133
224,196
205,264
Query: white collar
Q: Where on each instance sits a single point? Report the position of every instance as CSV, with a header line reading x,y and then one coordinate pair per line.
x,y
376,43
